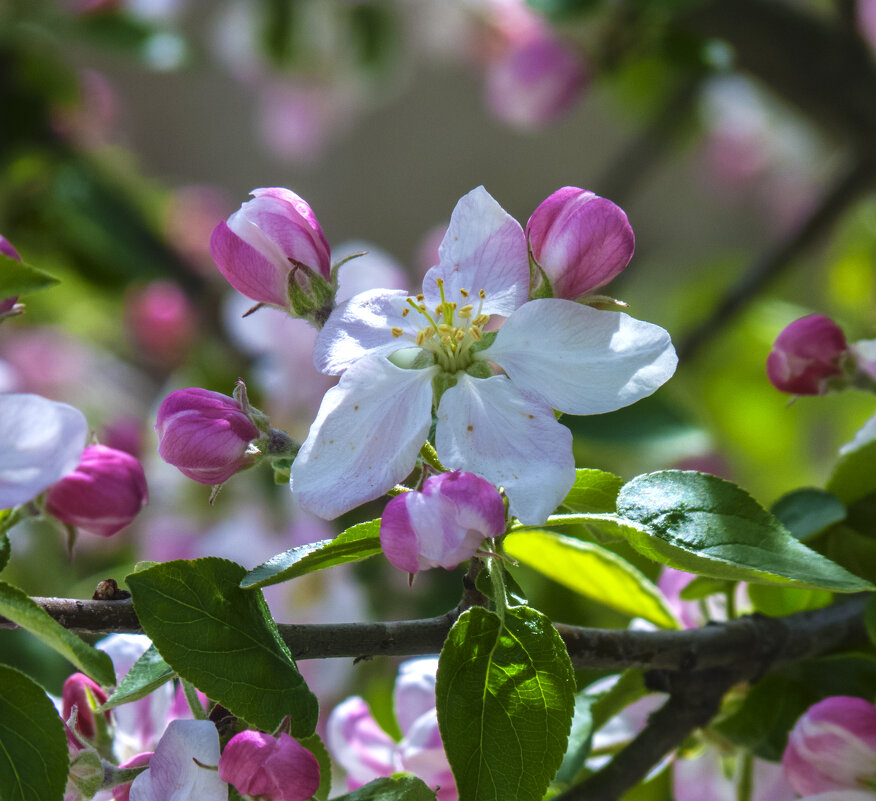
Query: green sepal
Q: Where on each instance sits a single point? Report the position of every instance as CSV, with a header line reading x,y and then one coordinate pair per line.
x,y
19,278
440,384
86,772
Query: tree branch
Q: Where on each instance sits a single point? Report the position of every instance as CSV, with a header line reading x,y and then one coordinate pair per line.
x,y
757,642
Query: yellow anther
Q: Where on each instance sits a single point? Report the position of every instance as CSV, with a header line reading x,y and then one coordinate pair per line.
x,y
465,311
405,312
420,297
421,337
444,328
476,334
481,319
439,309
451,306
440,282
396,332
458,334
464,292
482,295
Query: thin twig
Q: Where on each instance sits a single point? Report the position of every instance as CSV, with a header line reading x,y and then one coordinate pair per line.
x,y
851,185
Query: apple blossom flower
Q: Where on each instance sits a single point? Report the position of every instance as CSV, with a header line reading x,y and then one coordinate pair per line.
x,y
85,695
161,320
832,747
271,768
366,752
580,240
257,246
183,767
702,778
400,356
444,524
807,355
122,792
41,441
103,494
534,81
205,434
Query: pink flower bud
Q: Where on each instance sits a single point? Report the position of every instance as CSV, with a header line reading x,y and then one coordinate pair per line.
x,y
580,240
161,320
204,434
806,355
6,249
444,524
103,494
534,82
76,690
832,747
254,247
273,769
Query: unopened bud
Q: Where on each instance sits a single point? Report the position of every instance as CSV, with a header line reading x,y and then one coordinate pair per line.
x,y
807,355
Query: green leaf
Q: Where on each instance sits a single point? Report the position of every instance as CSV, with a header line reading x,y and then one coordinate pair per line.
x,y
767,714
774,601
703,587
315,745
505,697
706,525
33,746
5,549
358,542
398,788
17,278
806,512
223,640
18,607
147,674
592,571
593,491
854,476
870,618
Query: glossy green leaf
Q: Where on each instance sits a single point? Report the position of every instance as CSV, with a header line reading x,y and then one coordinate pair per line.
x,y
33,746
592,571
854,475
18,607
5,549
774,601
223,640
397,788
593,491
706,525
505,698
806,512
147,674
17,278
359,542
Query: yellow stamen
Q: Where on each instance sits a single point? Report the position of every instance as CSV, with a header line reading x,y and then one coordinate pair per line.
x,y
476,334
464,292
465,311
396,332
482,295
481,319
405,312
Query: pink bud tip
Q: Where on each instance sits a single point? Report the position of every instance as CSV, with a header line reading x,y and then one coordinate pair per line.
x,y
806,355
204,434
580,240
444,524
75,693
103,494
832,747
272,769
256,247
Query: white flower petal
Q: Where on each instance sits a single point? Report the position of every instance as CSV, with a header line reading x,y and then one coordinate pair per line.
x,y
487,427
40,441
173,775
365,438
581,360
484,249
363,327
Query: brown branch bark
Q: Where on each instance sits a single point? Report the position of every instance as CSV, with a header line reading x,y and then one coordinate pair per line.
x,y
754,641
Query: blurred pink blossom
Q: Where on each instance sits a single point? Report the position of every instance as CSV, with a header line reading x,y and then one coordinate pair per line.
x,y
161,321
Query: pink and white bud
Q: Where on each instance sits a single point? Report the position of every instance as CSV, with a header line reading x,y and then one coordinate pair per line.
x,y
832,747
272,769
807,355
85,694
534,82
256,247
41,441
580,240
103,494
444,524
161,320
205,434
7,304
